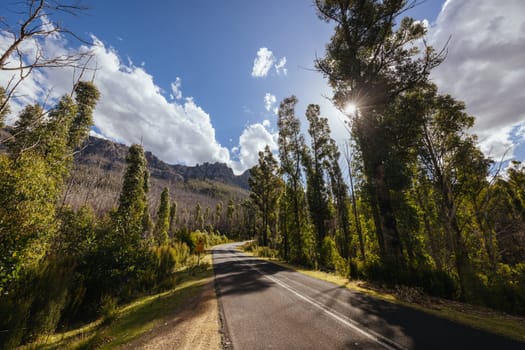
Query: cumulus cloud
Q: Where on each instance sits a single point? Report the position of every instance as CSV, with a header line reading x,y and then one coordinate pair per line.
x,y
264,61
252,140
484,66
269,101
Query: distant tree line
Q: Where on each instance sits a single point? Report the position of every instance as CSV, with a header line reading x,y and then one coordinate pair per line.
x,y
425,206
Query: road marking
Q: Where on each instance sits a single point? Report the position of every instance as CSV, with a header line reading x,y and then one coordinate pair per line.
x,y
378,338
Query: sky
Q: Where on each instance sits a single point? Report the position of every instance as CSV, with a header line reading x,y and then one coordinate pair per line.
x,y
200,81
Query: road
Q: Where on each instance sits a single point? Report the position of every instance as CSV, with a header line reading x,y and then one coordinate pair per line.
x,y
265,306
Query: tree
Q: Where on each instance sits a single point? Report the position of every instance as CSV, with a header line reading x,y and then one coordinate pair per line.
x,y
230,210
198,218
132,202
357,221
315,161
160,233
265,186
173,218
291,146
340,194
32,178
455,167
370,61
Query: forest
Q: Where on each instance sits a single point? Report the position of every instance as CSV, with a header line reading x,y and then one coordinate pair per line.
x,y
422,205
419,206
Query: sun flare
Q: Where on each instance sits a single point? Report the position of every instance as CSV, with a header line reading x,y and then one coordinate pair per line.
x,y
350,108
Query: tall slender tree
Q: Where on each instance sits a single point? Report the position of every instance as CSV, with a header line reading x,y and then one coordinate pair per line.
x,y
160,234
132,202
315,161
291,146
265,186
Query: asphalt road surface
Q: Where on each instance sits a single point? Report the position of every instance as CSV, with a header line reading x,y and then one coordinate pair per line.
x,y
265,306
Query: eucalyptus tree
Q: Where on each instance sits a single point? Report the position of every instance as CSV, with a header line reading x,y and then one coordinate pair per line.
x,y
265,185
291,151
454,166
316,164
370,61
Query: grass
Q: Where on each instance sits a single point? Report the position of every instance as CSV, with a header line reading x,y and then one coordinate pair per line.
x,y
133,319
474,316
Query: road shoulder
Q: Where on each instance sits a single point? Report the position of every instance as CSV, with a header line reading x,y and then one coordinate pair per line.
x,y
194,325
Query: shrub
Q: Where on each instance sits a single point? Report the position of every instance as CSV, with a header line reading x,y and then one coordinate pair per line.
x,y
330,258
33,306
108,308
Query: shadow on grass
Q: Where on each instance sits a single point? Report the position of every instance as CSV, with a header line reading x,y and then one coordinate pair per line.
x,y
137,317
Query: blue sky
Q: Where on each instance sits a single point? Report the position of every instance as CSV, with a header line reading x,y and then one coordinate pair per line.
x,y
180,76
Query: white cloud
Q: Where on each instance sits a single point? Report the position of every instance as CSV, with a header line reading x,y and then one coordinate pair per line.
x,y
176,91
266,123
269,101
262,63
280,67
265,60
252,140
132,108
485,66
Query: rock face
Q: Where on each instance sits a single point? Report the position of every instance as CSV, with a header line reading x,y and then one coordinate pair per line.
x,y
112,156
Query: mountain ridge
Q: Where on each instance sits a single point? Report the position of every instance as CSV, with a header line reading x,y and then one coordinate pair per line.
x,y
112,156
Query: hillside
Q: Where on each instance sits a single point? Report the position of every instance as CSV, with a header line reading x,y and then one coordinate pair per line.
x,y
97,177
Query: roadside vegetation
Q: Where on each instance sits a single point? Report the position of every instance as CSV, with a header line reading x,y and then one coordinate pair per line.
x,y
120,324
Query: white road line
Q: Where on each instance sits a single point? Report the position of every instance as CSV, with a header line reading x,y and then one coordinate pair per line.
x,y
378,338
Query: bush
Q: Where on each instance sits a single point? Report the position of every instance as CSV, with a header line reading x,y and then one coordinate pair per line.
x,y
262,251
33,306
431,281
108,308
503,289
330,258
266,252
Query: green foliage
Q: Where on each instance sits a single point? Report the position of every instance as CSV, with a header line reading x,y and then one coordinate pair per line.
x,y
31,180
262,251
108,308
207,239
33,305
86,96
503,288
132,215
27,197
314,160
163,219
266,188
330,258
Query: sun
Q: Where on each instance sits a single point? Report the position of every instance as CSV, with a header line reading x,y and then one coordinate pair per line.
x,y
350,108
